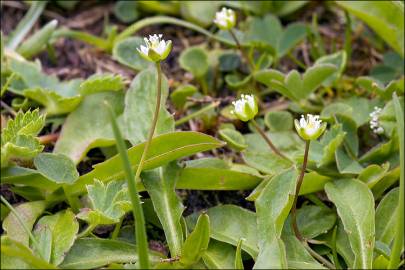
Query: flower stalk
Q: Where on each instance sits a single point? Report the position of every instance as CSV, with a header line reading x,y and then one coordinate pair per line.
x,y
242,51
297,190
267,139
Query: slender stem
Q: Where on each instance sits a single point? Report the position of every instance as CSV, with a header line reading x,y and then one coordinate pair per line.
x,y
267,139
7,84
297,190
86,231
239,46
28,231
197,113
318,257
117,228
334,253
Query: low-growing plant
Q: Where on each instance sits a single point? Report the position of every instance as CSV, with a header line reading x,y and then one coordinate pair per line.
x,y
298,162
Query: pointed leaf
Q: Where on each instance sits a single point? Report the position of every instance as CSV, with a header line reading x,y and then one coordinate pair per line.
x,y
56,167
160,184
273,206
355,205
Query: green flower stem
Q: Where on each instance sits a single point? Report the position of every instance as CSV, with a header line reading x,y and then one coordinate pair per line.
x,y
197,113
267,139
7,84
297,191
334,250
87,231
294,213
28,231
317,256
117,228
135,27
399,228
239,46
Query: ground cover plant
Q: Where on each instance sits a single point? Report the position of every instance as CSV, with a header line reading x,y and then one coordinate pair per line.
x,y
202,134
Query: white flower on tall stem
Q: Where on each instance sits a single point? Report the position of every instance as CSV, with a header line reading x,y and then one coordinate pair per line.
x,y
156,49
225,19
310,128
245,108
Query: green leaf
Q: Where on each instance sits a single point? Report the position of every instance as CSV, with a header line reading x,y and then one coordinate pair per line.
x,y
385,217
101,83
125,52
279,120
82,131
351,140
29,212
345,163
216,179
201,12
160,184
25,25
268,163
386,182
338,59
195,61
63,227
373,174
313,182
38,40
180,94
140,102
297,255
386,19
238,256
22,147
197,242
229,61
314,77
272,207
313,220
163,149
27,177
291,36
56,167
90,253
54,102
29,123
219,255
13,252
327,146
109,203
234,138
229,223
126,11
58,97
43,236
355,205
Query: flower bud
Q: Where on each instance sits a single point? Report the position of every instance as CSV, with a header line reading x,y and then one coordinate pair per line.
x,y
310,128
156,48
225,19
245,108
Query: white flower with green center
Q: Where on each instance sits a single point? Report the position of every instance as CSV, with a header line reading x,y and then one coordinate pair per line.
x,y
156,48
225,19
310,128
245,108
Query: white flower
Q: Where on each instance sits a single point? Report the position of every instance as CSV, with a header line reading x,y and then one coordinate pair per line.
x,y
156,48
310,128
245,108
225,19
374,122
